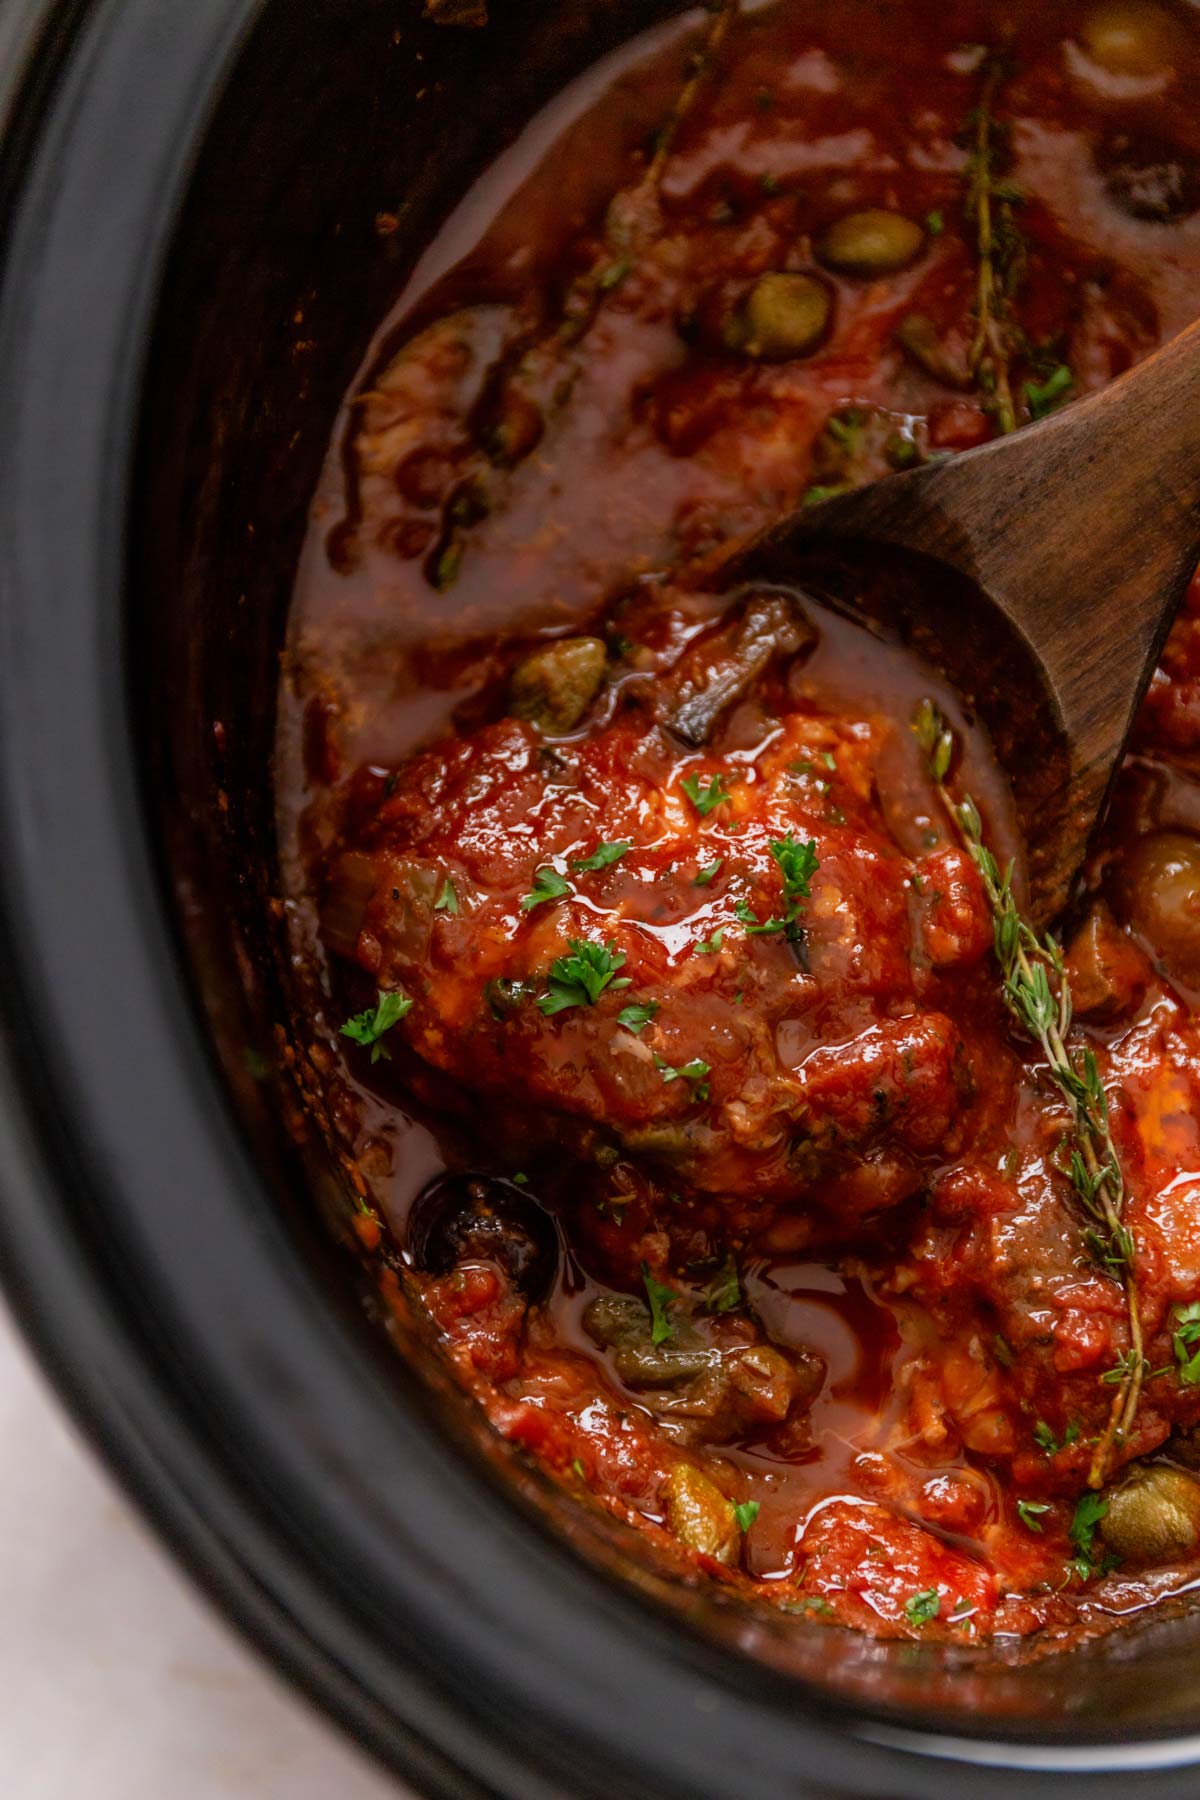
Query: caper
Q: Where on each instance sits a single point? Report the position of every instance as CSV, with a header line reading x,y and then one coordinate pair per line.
x,y
1158,893
699,1515
871,243
554,687
1131,37
781,317
900,452
1153,1516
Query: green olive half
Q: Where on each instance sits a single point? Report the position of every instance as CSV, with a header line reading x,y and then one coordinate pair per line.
x,y
1153,1516
554,687
871,243
1158,893
1131,37
699,1514
783,316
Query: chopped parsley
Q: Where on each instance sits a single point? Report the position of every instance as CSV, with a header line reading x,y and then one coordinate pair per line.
x,y
1030,1511
548,884
637,1015
601,858
749,918
797,865
935,224
811,1603
694,1071
920,1609
1041,397
580,978
705,799
1089,1511
1185,1340
724,1292
577,1466
703,876
661,1300
745,1514
367,1028
710,946
447,900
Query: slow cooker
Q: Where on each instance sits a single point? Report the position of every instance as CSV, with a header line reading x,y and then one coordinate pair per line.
x,y
190,273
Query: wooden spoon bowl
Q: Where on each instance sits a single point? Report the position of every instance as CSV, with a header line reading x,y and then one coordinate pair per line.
x,y
1040,573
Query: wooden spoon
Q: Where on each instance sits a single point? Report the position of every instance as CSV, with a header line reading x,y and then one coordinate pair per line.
x,y
1040,572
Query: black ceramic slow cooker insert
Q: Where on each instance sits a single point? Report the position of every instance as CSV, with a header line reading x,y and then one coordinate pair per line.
x,y
189,191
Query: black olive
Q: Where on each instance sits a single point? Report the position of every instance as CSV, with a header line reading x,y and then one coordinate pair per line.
x,y
482,1218
1149,177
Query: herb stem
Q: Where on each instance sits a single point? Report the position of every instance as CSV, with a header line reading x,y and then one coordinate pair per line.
x,y
1029,965
989,355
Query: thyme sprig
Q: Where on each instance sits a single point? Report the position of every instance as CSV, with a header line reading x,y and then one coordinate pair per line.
x,y
535,380
1000,248
1038,994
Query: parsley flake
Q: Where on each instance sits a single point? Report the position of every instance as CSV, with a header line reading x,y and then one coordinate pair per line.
x,y
703,876
750,920
694,1071
1089,1511
637,1015
724,1292
797,864
580,978
1030,1511
705,799
367,1028
601,858
812,1603
745,1514
1185,1340
710,946
548,884
661,1300
447,900
1042,397
920,1609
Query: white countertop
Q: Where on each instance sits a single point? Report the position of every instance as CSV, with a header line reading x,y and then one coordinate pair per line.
x,y
117,1681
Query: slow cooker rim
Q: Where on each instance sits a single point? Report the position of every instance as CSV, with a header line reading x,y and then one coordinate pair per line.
x,y
61,1196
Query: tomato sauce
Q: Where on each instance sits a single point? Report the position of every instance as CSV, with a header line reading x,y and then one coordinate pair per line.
x,y
650,997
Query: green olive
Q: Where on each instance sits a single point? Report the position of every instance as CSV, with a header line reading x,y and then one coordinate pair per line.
x,y
1158,894
1131,37
699,1515
871,243
554,687
781,317
1153,1516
